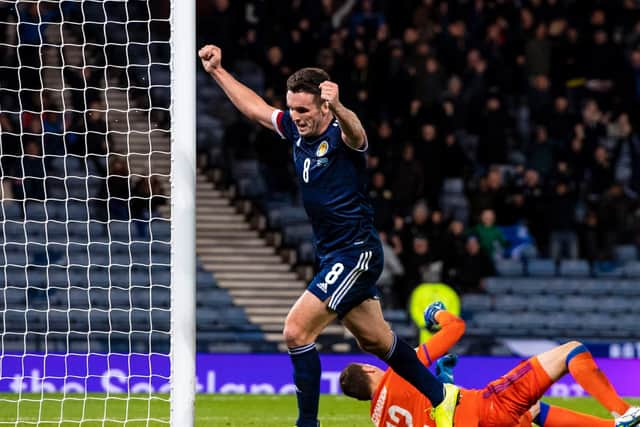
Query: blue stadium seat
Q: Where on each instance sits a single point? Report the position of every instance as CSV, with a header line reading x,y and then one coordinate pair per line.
x,y
624,253
10,210
161,230
509,267
77,188
476,302
615,305
77,210
293,235
287,215
580,304
595,287
13,299
574,268
544,303
541,267
514,303
497,285
632,269
493,323
14,232
214,297
306,253
15,254
205,279
35,211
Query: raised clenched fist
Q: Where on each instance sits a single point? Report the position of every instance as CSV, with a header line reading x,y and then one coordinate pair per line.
x,y
329,92
211,57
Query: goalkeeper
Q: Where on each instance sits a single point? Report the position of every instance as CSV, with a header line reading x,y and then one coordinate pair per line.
x,y
510,401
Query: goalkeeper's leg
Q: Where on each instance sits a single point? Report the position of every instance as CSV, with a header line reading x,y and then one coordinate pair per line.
x,y
573,357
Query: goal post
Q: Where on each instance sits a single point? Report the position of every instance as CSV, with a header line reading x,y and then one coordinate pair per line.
x,y
97,212
183,183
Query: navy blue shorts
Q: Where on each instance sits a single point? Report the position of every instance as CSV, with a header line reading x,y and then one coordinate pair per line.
x,y
348,277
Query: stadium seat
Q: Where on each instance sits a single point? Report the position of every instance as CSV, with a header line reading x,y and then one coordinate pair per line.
x,y
293,235
306,253
632,269
541,267
14,232
607,269
476,302
595,287
493,322
624,253
35,211
544,303
161,230
13,299
579,304
10,210
509,267
598,324
15,276
497,285
574,268
214,297
510,303
286,215
615,305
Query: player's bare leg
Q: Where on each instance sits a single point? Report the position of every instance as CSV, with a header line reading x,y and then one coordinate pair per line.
x,y
306,320
367,324
573,357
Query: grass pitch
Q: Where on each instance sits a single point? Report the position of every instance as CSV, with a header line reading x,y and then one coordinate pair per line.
x,y
211,410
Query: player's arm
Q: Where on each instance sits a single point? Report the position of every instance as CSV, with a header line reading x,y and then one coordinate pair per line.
x,y
451,330
246,100
353,133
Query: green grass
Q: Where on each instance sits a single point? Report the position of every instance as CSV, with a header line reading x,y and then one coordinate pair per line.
x,y
211,410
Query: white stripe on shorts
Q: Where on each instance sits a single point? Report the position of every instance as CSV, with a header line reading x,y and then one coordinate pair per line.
x,y
352,277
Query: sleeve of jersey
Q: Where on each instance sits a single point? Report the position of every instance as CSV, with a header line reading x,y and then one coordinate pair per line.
x,y
452,329
282,123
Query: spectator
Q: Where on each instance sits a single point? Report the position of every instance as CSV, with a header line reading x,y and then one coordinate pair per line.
x,y
468,275
118,189
146,198
33,171
490,237
407,184
430,150
382,201
563,238
417,265
392,273
541,156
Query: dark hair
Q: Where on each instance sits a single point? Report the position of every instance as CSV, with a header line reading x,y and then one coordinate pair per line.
x,y
355,382
307,80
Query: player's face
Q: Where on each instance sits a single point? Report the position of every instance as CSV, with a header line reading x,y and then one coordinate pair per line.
x,y
308,114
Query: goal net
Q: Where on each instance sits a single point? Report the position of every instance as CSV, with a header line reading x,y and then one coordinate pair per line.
x,y
85,249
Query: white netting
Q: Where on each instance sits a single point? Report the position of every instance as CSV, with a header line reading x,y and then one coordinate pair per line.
x,y
85,237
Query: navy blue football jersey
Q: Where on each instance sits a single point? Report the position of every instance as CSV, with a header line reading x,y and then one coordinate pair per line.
x,y
333,180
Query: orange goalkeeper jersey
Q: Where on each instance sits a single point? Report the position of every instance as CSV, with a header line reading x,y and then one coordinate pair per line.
x,y
503,402
396,403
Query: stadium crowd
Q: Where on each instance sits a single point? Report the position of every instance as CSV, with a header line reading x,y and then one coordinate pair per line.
x,y
483,117
36,132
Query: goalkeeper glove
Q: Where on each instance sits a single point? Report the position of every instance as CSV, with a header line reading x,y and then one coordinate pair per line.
x,y
444,368
430,321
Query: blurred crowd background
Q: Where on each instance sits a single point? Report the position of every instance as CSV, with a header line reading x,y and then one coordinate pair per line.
x,y
498,129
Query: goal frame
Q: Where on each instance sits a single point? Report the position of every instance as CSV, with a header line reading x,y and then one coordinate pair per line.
x,y
183,212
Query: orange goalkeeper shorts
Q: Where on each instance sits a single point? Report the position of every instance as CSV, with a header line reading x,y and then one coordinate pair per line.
x,y
505,400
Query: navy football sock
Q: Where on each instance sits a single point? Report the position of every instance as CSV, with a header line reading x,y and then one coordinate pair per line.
x,y
306,376
404,360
